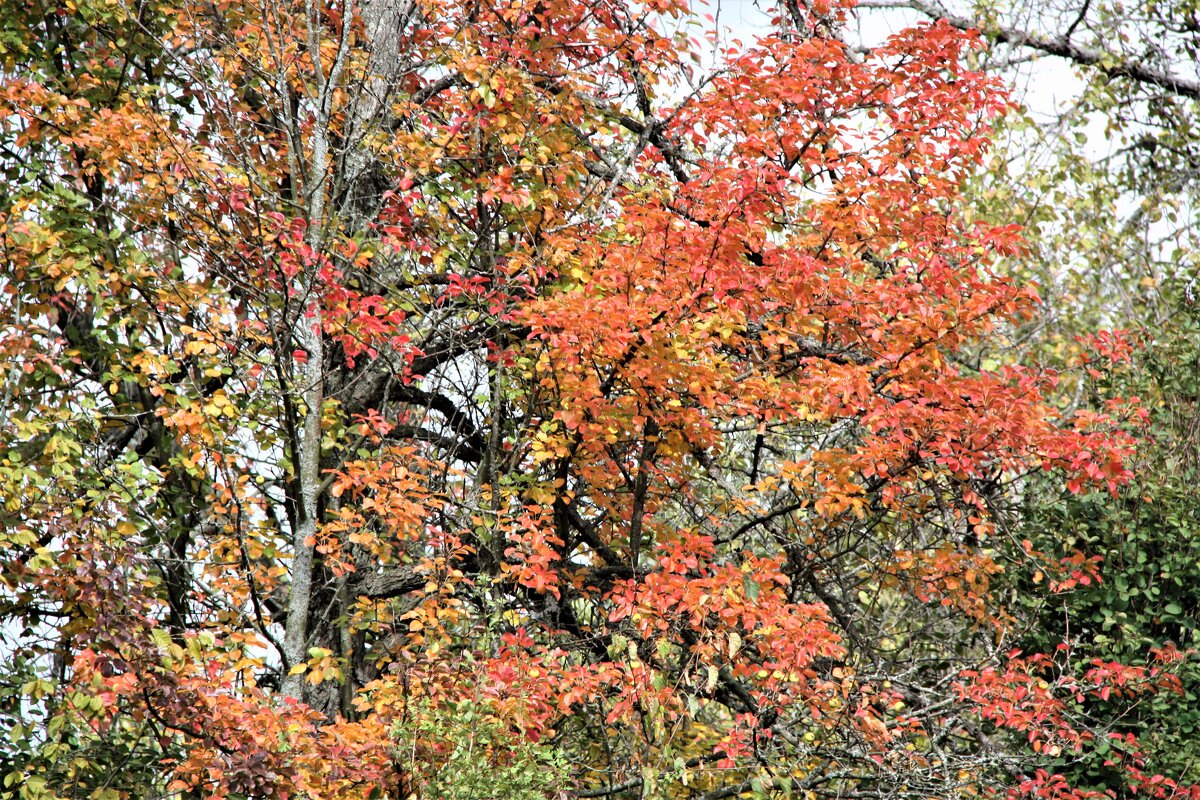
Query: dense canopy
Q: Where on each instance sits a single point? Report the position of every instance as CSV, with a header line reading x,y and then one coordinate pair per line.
x,y
528,400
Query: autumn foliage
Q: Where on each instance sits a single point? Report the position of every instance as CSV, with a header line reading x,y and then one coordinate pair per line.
x,y
405,396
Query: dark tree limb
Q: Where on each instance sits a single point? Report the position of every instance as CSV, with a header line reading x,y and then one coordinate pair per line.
x,y
1108,63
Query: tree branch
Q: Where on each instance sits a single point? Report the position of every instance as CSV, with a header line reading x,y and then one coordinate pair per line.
x,y
1110,64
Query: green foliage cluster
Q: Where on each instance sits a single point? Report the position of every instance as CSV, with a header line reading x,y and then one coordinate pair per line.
x,y
1149,538
476,758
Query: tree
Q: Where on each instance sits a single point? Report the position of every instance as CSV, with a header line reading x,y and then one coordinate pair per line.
x,y
402,393
1107,181
1112,165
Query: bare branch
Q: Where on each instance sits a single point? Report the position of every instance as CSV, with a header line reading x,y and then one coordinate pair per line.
x,y
1111,64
